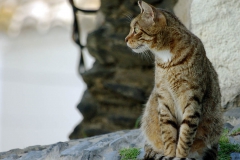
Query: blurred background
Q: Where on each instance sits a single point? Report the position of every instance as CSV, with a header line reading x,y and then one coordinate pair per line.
x,y
39,83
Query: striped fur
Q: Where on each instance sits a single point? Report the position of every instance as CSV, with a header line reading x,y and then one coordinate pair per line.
x,y
183,114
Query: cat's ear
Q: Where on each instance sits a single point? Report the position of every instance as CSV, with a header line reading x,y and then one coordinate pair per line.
x,y
147,11
140,5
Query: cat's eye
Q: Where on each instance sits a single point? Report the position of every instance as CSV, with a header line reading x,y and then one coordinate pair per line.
x,y
136,30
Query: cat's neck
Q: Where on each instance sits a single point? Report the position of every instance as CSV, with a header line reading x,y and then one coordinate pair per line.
x,y
178,47
163,56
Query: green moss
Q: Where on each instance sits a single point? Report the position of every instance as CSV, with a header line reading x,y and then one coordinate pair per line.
x,y
129,153
84,135
226,148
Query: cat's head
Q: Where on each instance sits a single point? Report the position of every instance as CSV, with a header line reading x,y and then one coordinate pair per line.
x,y
147,25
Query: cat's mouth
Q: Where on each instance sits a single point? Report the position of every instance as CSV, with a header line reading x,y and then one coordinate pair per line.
x,y
138,47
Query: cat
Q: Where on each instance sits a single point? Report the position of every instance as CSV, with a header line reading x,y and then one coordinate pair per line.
x,y
183,117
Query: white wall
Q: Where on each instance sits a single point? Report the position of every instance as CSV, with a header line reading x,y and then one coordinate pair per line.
x,y
39,88
1,47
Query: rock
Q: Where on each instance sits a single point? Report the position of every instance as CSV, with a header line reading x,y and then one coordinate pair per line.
x,y
141,155
235,156
236,127
228,126
214,22
235,102
127,91
232,116
234,139
74,150
98,71
122,120
94,148
233,113
88,107
88,130
113,155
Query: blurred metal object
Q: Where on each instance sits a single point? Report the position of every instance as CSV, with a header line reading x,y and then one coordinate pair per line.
x,y
76,33
41,15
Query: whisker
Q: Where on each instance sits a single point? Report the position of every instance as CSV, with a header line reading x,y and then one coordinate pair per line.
x,y
150,55
147,56
128,16
143,53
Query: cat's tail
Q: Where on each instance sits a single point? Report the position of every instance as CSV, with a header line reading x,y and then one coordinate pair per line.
x,y
175,158
211,153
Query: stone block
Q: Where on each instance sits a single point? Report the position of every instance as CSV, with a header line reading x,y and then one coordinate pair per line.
x,y
216,24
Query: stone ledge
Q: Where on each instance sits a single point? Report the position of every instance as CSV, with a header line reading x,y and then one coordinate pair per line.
x,y
104,147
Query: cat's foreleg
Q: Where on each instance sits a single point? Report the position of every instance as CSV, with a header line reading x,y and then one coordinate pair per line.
x,y
190,120
169,129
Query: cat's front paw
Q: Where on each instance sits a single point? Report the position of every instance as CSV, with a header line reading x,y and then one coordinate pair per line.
x,y
156,156
153,156
175,158
150,154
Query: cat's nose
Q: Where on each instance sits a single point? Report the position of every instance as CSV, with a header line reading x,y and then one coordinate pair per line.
x,y
126,39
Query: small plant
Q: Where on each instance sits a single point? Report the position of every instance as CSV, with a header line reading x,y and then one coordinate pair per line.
x,y
138,121
226,148
129,153
235,132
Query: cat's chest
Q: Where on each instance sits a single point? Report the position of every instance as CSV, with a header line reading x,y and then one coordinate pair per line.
x,y
164,87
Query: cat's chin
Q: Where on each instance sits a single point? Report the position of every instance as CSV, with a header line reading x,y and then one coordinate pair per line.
x,y
140,49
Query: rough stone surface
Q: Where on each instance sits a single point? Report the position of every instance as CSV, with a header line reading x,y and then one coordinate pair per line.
x,y
235,156
105,147
216,24
231,114
120,81
228,126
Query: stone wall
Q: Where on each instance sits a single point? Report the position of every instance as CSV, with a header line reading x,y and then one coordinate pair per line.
x,y
217,24
120,81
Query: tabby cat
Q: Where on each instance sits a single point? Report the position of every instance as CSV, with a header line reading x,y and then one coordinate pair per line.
x,y
183,117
